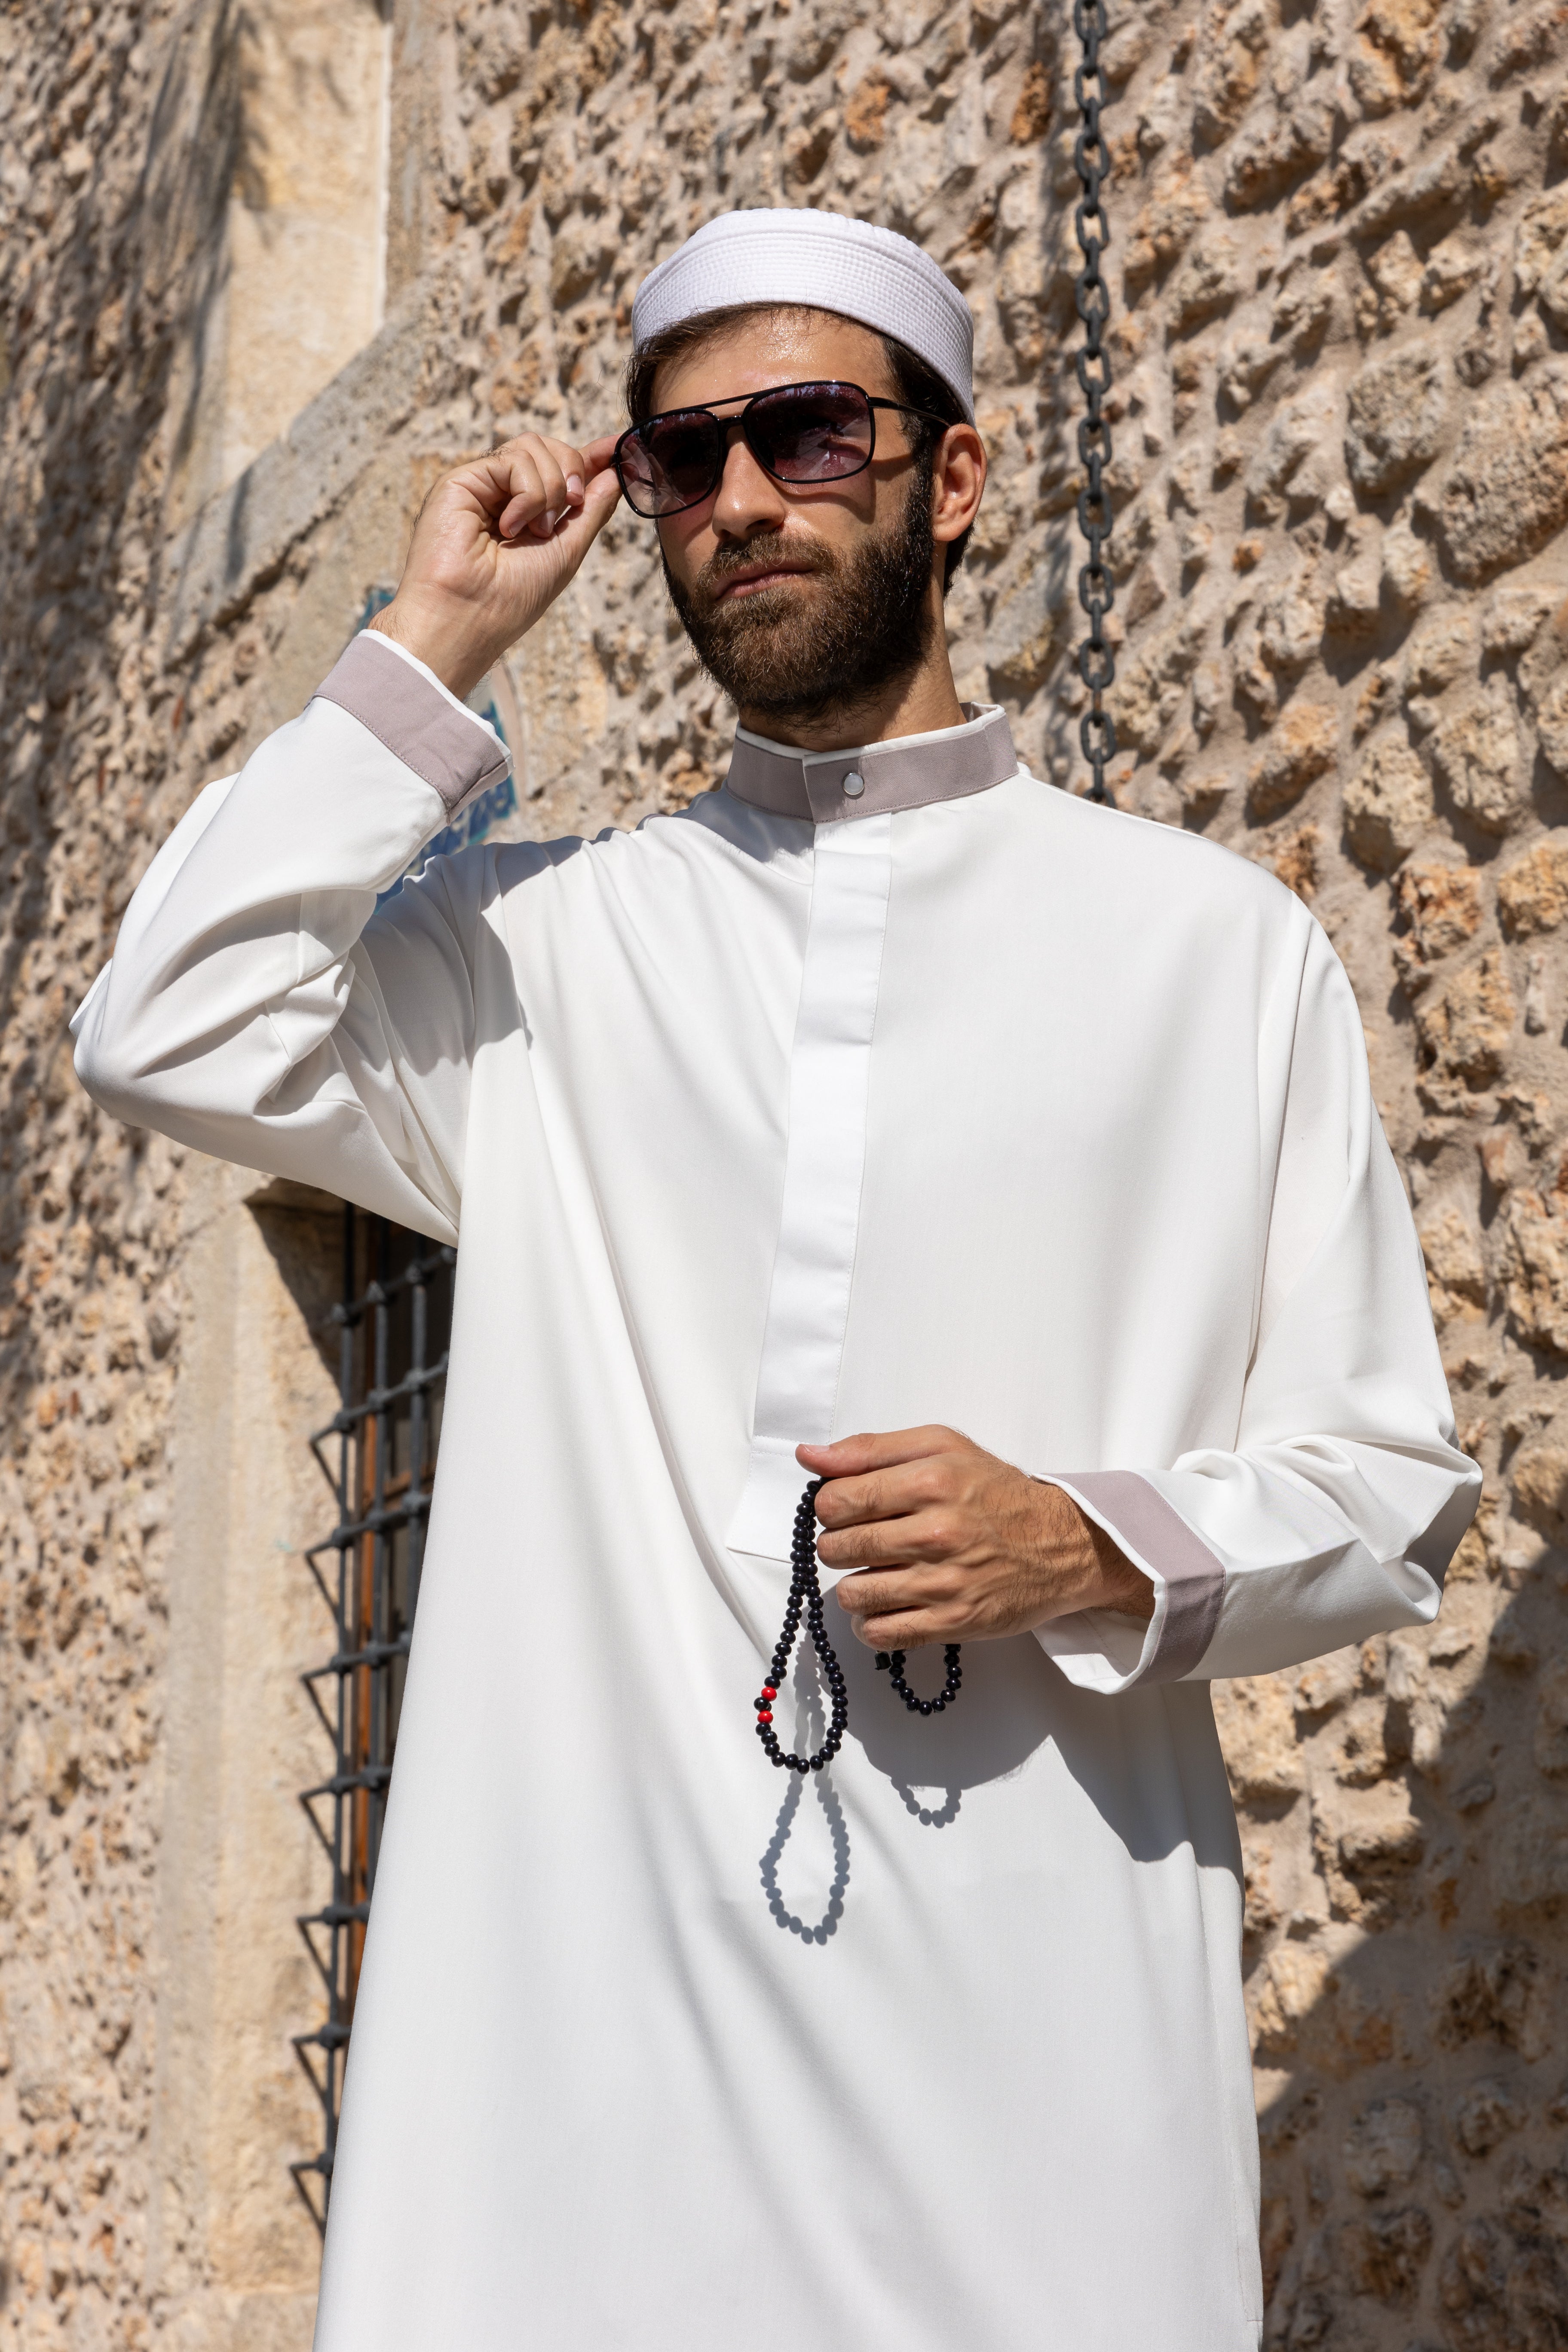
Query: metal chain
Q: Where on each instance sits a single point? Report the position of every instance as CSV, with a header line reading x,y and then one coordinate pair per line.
x,y
1096,590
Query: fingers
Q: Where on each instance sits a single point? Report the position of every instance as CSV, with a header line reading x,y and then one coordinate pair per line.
x,y
546,479
535,487
922,1485
580,527
881,1592
847,1458
917,1537
916,1632
900,1613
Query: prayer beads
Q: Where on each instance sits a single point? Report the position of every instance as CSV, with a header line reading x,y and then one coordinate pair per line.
x,y
806,1601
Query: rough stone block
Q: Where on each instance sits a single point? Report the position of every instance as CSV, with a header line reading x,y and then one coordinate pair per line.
x,y
1484,2116
1537,1264
1258,1731
1467,1029
1396,414
1442,904
1387,805
1512,615
1505,492
1302,747
1532,896
1551,724
1233,44
1382,2148
1456,1269
1386,2254
1542,234
1396,52
1475,757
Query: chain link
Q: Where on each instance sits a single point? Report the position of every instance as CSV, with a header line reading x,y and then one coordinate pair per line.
x,y
1096,590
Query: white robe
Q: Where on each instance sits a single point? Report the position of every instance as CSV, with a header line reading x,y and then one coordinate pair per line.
x,y
1004,1111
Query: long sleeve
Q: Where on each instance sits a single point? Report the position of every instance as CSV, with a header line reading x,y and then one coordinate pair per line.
x,y
260,1004
1337,1513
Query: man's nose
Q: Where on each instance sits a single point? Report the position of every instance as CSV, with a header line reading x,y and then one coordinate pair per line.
x,y
747,498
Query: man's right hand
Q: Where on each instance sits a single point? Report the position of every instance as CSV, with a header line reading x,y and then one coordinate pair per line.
x,y
496,542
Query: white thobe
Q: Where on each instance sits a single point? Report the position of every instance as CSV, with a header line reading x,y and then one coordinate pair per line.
x,y
947,1097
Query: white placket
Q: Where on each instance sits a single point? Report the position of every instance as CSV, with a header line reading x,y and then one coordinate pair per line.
x,y
819,1221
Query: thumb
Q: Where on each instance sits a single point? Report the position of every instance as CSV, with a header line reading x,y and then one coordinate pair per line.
x,y
602,497
577,531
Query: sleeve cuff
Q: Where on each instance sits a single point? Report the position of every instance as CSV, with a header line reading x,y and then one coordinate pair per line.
x,y
405,706
1097,1650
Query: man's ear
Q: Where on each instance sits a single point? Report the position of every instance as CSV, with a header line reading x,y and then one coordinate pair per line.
x,y
958,483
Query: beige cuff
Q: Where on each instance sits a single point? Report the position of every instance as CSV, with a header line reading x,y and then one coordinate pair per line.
x,y
420,724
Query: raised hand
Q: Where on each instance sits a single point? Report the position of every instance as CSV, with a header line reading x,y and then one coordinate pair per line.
x,y
496,542
955,1544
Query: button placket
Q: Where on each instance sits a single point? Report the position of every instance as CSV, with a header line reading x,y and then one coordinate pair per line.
x,y
829,1090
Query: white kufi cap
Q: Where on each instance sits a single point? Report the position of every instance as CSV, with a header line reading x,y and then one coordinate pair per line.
x,y
825,262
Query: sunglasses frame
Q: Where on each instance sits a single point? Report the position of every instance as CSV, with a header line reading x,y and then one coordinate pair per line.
x,y
710,407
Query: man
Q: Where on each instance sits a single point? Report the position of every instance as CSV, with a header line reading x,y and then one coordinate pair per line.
x,y
885,1091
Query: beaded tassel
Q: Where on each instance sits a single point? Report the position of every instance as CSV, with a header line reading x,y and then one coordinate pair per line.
x,y
806,1600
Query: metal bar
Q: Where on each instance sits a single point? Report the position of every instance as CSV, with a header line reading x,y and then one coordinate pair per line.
x,y
393,1315
418,1299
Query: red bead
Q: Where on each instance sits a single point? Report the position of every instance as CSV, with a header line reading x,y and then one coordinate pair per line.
x,y
770,1690
764,1715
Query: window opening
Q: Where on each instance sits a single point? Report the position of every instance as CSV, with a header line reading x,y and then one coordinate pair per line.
x,y
378,1455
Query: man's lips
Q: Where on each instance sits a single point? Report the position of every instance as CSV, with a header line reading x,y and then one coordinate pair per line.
x,y
746,584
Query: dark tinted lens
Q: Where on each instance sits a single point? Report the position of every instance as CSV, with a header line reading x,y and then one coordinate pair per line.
x,y
672,462
811,432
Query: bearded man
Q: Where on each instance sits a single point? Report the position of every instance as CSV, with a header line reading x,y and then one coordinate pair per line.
x,y
885,1090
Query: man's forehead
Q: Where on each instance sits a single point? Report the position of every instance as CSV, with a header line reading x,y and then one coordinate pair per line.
x,y
781,344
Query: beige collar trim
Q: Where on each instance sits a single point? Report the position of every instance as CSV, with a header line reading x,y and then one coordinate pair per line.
x,y
877,778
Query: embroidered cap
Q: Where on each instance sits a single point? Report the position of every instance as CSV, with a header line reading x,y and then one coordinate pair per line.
x,y
826,262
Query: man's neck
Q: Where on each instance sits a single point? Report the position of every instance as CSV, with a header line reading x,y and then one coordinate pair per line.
x,y
916,705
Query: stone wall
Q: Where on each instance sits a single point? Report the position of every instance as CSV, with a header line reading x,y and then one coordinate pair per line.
x,y
1339,280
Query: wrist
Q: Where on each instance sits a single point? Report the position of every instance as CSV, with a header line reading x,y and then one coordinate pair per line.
x,y
1100,1574
443,639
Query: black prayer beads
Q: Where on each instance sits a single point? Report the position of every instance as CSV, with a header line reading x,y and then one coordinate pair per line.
x,y
891,1662
806,1601
804,1596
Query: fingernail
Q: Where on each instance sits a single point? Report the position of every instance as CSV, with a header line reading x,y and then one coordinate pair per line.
x,y
575,484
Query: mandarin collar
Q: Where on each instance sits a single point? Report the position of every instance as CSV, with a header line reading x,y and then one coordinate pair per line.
x,y
875,779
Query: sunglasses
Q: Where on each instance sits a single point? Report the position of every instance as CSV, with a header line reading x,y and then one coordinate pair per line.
x,y
796,433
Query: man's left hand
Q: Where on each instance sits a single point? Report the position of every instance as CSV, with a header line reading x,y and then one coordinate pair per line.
x,y
954,1544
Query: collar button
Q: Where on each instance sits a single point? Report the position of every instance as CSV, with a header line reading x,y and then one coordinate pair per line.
x,y
854,785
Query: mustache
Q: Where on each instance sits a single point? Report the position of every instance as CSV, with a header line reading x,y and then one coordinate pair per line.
x,y
773,546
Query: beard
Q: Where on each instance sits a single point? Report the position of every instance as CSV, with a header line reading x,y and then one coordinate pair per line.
x,y
867,627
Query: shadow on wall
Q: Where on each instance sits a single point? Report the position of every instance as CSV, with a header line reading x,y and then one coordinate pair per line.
x,y
98,343
1404,1818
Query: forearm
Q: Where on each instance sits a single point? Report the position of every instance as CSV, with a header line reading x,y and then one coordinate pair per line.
x,y
255,999
227,970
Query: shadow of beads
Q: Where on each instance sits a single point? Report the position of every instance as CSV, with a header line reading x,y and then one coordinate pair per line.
x,y
838,1831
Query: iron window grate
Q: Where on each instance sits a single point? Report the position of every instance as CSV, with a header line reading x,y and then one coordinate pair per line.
x,y
378,1455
